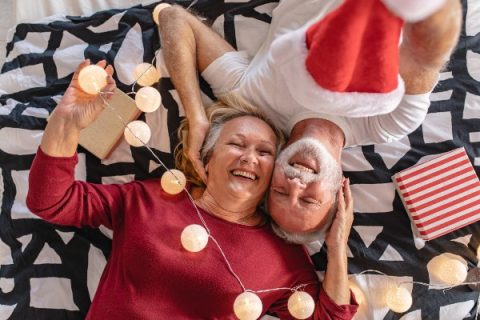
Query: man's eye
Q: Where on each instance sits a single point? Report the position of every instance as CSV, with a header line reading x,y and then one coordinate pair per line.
x,y
280,192
310,201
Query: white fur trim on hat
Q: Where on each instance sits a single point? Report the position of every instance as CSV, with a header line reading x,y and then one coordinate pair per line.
x,y
289,52
413,10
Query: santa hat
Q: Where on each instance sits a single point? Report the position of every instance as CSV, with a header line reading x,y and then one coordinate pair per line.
x,y
354,50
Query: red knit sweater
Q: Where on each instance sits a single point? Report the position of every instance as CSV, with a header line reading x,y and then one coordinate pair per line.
x,y
149,275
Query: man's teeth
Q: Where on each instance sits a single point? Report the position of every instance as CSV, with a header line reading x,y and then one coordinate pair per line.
x,y
303,168
245,174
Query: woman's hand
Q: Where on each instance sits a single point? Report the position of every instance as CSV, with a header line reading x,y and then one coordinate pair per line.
x,y
339,232
79,108
196,136
74,112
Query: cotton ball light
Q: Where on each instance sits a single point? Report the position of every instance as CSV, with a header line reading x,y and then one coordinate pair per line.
x,y
398,299
301,305
157,10
357,292
92,79
194,238
247,306
137,130
448,270
173,181
146,74
148,99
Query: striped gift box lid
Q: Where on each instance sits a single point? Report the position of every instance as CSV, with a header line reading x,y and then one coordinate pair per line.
x,y
440,195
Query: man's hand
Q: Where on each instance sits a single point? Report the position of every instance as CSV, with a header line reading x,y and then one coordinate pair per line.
x,y
79,108
196,136
339,232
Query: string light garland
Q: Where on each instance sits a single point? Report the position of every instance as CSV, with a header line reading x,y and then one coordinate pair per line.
x,y
397,297
248,305
195,237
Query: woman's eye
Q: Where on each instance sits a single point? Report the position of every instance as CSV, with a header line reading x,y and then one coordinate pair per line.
x,y
265,152
235,144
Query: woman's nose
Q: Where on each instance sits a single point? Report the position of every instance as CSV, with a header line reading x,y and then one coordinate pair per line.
x,y
249,157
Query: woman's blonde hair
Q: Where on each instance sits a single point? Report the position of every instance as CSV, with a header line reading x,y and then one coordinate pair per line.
x,y
228,107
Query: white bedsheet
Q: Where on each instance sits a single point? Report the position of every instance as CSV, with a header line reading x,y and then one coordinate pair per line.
x,y
14,12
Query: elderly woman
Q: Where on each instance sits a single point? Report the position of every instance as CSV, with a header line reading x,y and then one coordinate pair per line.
x,y
149,275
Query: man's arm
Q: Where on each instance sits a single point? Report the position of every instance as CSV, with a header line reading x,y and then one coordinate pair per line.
x,y
427,46
425,49
189,46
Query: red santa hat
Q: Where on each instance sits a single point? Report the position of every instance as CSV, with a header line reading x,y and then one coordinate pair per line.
x,y
354,50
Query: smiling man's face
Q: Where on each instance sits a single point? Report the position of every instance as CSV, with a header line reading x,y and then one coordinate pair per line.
x,y
303,188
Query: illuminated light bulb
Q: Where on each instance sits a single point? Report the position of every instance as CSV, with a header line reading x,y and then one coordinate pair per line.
x,y
148,99
138,130
157,10
92,79
357,292
301,305
146,74
194,238
247,306
448,270
398,299
173,181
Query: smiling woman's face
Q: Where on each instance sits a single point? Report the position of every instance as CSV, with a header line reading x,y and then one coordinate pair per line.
x,y
241,164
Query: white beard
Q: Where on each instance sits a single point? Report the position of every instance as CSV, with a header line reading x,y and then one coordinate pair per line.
x,y
329,169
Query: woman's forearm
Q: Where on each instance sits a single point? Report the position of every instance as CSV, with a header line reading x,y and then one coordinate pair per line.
x,y
60,138
335,283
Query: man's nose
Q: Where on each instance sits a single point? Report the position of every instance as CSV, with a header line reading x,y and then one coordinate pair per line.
x,y
296,182
295,187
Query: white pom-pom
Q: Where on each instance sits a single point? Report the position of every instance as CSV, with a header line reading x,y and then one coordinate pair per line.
x,y
301,305
413,10
248,306
137,130
194,238
148,99
92,79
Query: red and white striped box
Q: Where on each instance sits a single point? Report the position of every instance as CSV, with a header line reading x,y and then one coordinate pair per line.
x,y
440,195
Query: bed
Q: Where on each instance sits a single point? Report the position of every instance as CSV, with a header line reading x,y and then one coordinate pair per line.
x,y
51,272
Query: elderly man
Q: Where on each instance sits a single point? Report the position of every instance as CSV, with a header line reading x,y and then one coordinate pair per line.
x,y
302,196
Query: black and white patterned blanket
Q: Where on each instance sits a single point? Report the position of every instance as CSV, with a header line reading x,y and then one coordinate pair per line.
x,y
51,272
